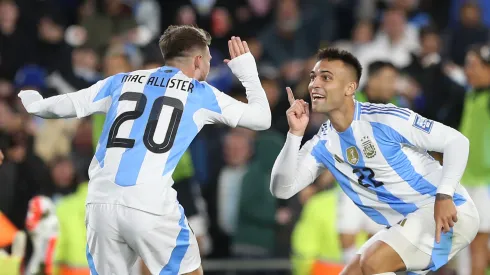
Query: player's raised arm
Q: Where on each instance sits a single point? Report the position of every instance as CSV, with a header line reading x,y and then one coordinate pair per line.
x,y
295,169
94,99
255,115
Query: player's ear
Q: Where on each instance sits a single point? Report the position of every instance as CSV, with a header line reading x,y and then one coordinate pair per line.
x,y
197,61
351,88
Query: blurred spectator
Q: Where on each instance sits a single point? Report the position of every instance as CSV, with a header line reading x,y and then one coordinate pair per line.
x,y
237,150
64,178
381,84
147,15
284,42
443,97
468,31
415,16
12,41
362,35
394,42
106,21
255,233
475,125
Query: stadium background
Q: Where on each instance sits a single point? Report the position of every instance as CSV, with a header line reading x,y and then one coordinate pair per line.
x,y
60,46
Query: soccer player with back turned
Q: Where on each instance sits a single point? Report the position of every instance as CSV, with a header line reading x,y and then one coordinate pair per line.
x,y
152,117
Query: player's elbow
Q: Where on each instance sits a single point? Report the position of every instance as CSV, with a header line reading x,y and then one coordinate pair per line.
x,y
280,191
266,121
460,141
281,194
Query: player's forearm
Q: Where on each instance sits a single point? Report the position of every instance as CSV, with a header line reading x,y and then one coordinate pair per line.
x,y
286,177
257,114
53,107
456,151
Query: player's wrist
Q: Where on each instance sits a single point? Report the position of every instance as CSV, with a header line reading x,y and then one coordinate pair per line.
x,y
441,197
296,133
244,66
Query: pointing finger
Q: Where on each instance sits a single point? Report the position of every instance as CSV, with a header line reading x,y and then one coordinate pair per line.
x,y
290,95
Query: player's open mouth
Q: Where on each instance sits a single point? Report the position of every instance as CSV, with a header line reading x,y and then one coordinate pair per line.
x,y
316,97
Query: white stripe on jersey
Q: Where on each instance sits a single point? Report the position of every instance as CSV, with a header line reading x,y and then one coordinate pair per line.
x,y
367,197
114,155
148,173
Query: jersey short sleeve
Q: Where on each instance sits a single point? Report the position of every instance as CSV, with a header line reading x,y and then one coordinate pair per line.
x,y
94,99
228,110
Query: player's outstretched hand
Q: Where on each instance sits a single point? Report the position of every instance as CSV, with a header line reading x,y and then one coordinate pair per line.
x,y
1,157
28,97
236,47
445,214
298,114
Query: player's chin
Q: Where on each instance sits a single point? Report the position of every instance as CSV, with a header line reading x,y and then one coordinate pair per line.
x,y
319,105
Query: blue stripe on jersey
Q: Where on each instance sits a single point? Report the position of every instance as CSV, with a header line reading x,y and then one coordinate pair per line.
x,y
370,110
106,89
133,158
200,98
399,162
372,107
110,116
182,244
357,111
90,261
322,155
385,113
347,140
441,250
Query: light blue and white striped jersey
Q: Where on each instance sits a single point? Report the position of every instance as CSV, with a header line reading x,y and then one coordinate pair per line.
x,y
152,117
379,163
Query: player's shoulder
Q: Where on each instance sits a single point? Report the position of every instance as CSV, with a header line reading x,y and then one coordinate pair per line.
x,y
383,113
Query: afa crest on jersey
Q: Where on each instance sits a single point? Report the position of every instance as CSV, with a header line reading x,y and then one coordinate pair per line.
x,y
352,155
368,148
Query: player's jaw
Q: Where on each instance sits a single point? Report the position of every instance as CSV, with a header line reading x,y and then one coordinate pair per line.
x,y
318,100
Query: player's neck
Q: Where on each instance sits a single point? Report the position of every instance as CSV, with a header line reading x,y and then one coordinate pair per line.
x,y
183,67
342,118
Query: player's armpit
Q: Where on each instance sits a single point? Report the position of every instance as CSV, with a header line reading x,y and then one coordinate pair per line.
x,y
294,169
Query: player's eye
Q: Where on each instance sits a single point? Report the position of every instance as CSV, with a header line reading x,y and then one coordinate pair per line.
x,y
326,77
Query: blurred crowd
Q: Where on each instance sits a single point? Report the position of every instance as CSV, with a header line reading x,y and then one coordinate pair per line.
x,y
413,53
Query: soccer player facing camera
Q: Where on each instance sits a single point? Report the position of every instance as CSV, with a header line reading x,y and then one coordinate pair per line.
x,y
378,155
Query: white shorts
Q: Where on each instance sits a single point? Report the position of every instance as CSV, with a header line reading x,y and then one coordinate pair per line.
x,y
117,235
351,219
481,198
414,238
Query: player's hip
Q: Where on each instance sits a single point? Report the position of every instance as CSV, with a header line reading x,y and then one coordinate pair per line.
x,y
122,220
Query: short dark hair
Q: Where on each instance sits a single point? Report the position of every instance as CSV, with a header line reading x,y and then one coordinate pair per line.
x,y
177,40
349,59
428,30
378,65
